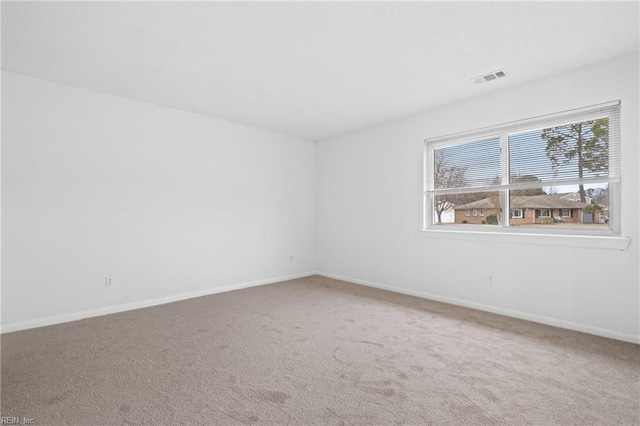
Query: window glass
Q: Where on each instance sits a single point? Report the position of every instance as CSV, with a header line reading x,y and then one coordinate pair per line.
x,y
568,152
462,206
552,172
562,207
467,165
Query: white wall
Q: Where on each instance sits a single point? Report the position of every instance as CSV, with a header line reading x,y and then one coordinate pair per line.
x,y
370,214
167,202
172,203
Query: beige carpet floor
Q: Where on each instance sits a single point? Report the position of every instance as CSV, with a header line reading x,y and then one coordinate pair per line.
x,y
316,351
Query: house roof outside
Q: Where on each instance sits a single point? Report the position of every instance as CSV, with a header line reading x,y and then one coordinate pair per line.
x,y
527,202
574,196
485,203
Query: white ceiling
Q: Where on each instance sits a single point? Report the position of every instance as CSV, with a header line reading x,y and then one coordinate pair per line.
x,y
308,69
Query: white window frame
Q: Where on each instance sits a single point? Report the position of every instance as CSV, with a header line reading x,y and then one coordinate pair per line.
x,y
520,216
475,212
481,212
562,211
545,216
467,212
609,238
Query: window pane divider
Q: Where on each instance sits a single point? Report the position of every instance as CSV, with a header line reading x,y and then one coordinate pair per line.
x,y
505,177
520,185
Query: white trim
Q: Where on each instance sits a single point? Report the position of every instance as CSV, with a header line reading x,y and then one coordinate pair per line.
x,y
603,332
521,216
569,325
546,239
58,319
520,185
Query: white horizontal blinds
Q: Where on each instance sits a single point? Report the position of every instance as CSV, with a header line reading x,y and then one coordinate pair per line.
x,y
468,165
578,146
541,150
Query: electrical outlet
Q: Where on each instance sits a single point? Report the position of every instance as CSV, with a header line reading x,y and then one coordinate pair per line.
x,y
490,280
108,281
291,258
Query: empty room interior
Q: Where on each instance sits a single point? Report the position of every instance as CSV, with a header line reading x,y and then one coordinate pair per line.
x,y
320,213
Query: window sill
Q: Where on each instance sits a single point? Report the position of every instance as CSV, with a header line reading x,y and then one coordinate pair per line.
x,y
606,242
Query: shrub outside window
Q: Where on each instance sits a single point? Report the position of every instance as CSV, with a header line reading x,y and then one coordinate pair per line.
x,y
563,166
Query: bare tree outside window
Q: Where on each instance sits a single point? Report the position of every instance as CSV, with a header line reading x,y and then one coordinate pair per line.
x,y
585,144
445,175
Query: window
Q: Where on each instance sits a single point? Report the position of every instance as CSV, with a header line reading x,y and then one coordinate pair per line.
x,y
544,213
555,163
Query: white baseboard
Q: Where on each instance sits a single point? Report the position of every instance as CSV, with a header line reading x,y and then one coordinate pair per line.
x,y
602,332
41,322
58,319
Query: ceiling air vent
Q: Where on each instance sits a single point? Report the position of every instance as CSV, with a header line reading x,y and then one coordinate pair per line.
x,y
491,76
